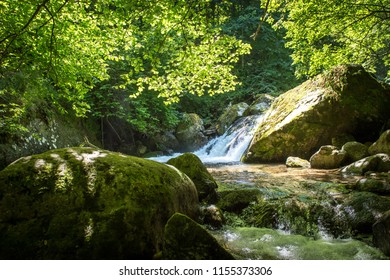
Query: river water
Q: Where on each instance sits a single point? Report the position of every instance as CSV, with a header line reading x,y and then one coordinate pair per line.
x,y
280,242
298,232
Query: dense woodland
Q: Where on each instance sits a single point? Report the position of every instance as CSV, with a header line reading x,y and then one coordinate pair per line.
x,y
140,64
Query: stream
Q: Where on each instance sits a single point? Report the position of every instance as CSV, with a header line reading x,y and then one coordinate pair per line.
x,y
274,212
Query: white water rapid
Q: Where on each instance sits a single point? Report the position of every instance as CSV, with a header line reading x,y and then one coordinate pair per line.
x,y
228,147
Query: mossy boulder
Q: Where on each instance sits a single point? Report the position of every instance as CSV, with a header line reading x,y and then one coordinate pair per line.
x,y
297,162
189,133
382,145
230,115
213,216
191,165
376,163
362,209
166,142
187,240
374,185
328,157
355,151
84,203
236,200
347,100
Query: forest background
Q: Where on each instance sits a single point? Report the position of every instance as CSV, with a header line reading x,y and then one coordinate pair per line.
x,y
136,66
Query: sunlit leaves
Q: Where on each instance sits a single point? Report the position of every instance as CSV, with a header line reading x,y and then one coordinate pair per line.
x,y
169,47
324,33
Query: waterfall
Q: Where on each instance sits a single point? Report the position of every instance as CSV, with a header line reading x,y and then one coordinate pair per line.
x,y
228,147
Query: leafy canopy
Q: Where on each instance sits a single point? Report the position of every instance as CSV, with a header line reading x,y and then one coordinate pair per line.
x,y
324,33
170,47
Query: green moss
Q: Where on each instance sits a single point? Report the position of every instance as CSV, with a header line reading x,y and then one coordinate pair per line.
x,y
187,240
346,101
193,167
236,200
89,204
363,209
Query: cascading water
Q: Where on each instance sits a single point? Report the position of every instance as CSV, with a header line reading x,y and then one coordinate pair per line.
x,y
228,147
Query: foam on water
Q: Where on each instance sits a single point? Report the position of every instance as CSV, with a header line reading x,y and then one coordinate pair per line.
x,y
228,147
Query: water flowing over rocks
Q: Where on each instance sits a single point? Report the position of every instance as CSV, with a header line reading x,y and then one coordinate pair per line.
x,y
347,100
230,115
276,212
84,203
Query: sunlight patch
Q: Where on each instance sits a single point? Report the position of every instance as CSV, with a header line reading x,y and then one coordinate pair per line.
x,y
39,163
88,230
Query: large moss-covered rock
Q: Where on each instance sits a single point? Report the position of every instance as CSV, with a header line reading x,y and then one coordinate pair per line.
x,y
375,185
83,203
187,240
347,100
230,115
189,133
191,165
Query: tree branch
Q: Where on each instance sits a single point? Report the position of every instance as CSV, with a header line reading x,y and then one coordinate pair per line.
x,y
257,33
21,31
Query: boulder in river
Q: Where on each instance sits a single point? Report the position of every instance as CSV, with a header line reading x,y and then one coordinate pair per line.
x,y
346,100
375,163
355,151
84,203
328,157
375,185
187,240
193,167
297,162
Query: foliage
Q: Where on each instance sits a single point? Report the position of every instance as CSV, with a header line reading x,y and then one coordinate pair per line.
x,y
146,114
325,33
170,46
21,98
267,69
